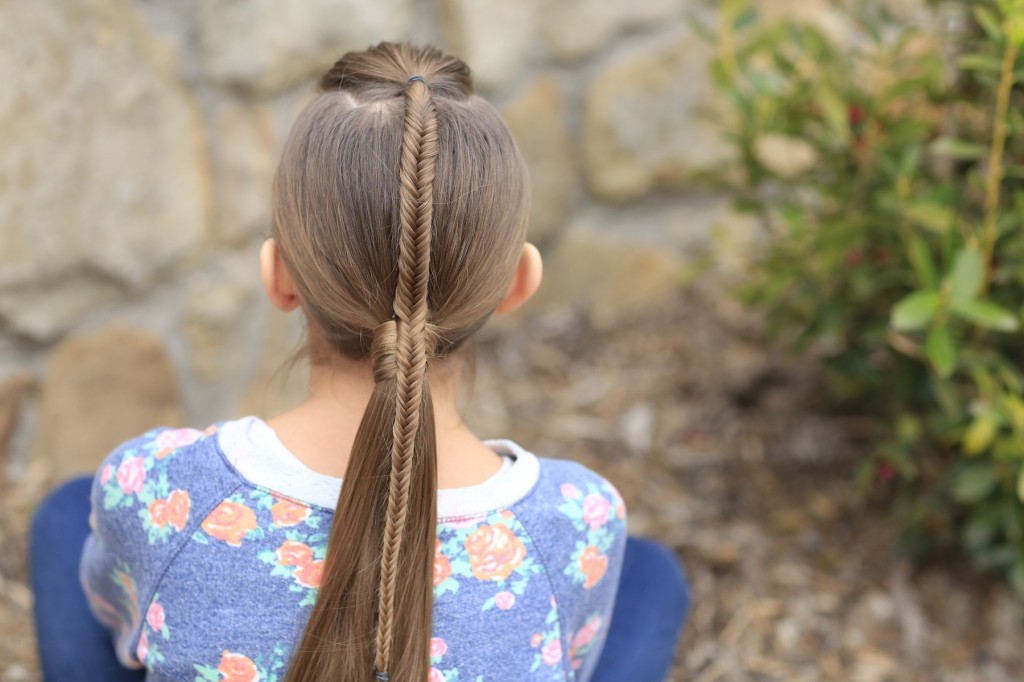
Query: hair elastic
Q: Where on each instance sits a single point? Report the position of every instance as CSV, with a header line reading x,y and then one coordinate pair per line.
x,y
421,79
382,677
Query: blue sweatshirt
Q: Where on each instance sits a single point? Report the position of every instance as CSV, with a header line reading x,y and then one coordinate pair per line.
x,y
207,550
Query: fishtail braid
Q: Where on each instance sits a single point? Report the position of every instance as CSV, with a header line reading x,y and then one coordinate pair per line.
x,y
416,178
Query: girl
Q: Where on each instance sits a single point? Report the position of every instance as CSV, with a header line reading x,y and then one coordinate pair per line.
x,y
400,214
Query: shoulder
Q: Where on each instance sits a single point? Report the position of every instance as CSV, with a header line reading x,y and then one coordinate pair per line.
x,y
577,519
571,485
147,498
150,487
537,481
574,513
137,465
154,449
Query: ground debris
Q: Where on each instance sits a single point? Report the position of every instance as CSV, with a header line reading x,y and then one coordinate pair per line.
x,y
723,451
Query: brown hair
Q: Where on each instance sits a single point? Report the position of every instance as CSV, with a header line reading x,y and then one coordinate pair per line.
x,y
400,209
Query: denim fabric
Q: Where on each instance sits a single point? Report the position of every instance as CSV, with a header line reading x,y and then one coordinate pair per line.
x,y
73,646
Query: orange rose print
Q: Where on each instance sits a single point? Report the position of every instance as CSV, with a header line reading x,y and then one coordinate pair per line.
x,y
230,522
288,513
442,567
237,668
178,505
310,575
494,552
158,513
292,553
593,564
173,510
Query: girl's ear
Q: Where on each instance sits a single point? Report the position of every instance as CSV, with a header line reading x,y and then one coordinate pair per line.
x,y
277,281
524,285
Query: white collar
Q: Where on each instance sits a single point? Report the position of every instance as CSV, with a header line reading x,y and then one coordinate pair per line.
x,y
252,447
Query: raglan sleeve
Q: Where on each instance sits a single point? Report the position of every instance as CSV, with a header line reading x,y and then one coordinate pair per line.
x,y
133,513
583,536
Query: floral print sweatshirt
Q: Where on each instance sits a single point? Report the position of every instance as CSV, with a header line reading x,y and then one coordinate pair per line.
x,y
207,548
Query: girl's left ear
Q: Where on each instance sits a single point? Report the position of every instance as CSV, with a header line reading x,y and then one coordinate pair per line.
x,y
277,281
527,279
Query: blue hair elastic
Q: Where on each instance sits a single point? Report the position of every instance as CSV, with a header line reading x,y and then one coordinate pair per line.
x,y
383,677
421,79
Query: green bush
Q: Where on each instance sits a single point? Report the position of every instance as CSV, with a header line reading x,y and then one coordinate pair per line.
x,y
889,177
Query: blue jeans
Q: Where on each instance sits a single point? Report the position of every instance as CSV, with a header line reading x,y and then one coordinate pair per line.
x,y
652,603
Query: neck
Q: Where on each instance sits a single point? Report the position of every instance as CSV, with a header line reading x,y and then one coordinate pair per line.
x,y
320,431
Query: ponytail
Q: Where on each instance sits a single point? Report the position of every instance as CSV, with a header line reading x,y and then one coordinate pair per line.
x,y
379,564
400,208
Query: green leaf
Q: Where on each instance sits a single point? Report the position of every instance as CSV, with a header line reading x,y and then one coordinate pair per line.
x,y
939,349
961,150
987,315
206,672
921,260
1007,448
980,433
965,278
910,161
984,380
746,19
1020,485
700,28
835,112
1014,407
973,483
1014,26
1010,376
947,399
915,310
980,62
988,22
931,216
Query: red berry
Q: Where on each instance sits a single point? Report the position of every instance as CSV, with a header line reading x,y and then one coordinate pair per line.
x,y
886,472
856,115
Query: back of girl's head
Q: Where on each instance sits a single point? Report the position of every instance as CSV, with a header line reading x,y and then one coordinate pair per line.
x,y
400,210
337,212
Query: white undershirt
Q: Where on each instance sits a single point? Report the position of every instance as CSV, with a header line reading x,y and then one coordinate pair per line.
x,y
254,449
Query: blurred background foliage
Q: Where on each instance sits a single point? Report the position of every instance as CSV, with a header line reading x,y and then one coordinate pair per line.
x,y
888,178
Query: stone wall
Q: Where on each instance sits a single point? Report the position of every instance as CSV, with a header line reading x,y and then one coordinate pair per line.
x,y
139,139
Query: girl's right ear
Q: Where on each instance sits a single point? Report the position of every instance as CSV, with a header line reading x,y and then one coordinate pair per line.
x,y
277,281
